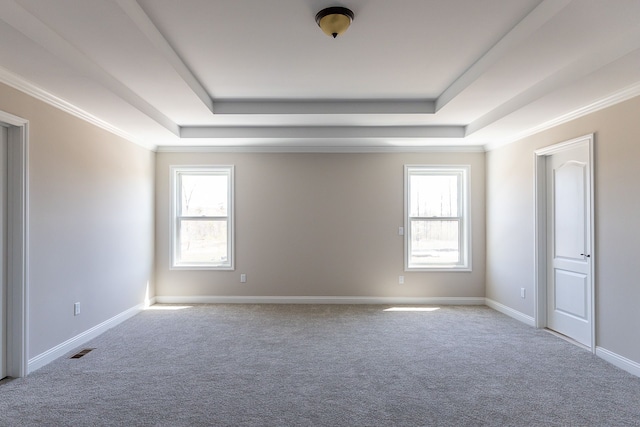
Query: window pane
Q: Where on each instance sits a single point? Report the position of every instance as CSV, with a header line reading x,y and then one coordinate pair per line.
x,y
203,241
433,195
434,242
204,195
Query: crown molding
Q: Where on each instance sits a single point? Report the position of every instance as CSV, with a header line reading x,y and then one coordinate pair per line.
x,y
328,107
321,149
606,102
321,132
24,86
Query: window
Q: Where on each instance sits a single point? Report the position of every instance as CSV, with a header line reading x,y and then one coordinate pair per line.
x,y
437,225
202,217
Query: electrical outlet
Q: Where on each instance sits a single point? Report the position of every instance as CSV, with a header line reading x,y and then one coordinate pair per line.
x,y
522,292
76,309
401,280
243,278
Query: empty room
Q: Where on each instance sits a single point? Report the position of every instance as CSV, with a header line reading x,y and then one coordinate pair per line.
x,y
318,213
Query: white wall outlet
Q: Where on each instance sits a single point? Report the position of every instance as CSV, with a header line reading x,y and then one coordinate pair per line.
x,y
400,231
522,292
76,309
401,280
243,278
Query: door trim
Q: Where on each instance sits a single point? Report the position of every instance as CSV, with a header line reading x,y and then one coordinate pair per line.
x,y
17,244
540,235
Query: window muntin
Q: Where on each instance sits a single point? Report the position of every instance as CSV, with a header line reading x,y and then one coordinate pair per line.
x,y
437,228
202,217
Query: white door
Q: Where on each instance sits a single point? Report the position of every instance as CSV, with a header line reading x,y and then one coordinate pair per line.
x,y
569,289
3,251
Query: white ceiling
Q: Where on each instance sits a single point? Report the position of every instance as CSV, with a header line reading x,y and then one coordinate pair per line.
x,y
173,74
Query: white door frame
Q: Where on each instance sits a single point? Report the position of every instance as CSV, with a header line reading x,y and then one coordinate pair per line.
x,y
17,244
540,193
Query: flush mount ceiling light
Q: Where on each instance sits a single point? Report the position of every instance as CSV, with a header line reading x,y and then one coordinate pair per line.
x,y
334,20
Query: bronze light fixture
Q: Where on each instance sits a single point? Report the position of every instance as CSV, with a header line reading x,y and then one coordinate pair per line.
x,y
334,21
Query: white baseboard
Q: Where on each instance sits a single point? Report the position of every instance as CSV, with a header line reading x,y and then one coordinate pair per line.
x,y
511,312
619,361
61,349
317,300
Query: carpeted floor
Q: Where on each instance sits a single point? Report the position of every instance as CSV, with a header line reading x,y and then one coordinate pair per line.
x,y
324,365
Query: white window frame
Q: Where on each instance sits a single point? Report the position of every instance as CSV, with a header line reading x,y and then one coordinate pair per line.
x,y
463,172
176,197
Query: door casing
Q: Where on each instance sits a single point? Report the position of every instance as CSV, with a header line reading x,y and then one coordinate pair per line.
x,y
4,131
17,244
540,192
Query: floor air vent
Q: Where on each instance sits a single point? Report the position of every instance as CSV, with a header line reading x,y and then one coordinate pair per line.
x,y
81,353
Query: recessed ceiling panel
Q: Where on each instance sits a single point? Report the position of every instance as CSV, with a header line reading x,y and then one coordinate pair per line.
x,y
260,73
410,49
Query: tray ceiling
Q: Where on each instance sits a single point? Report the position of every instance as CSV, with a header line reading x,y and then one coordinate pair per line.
x,y
257,74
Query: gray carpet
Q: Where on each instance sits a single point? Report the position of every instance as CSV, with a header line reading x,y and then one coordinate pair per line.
x,y
324,365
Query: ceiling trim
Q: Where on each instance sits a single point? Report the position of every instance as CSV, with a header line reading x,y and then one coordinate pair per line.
x,y
19,83
230,106
606,102
311,132
321,149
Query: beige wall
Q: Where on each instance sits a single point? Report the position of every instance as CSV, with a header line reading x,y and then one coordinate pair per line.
x,y
90,222
306,224
510,222
318,225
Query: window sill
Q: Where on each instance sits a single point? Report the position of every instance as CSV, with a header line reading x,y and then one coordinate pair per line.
x,y
439,269
202,267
